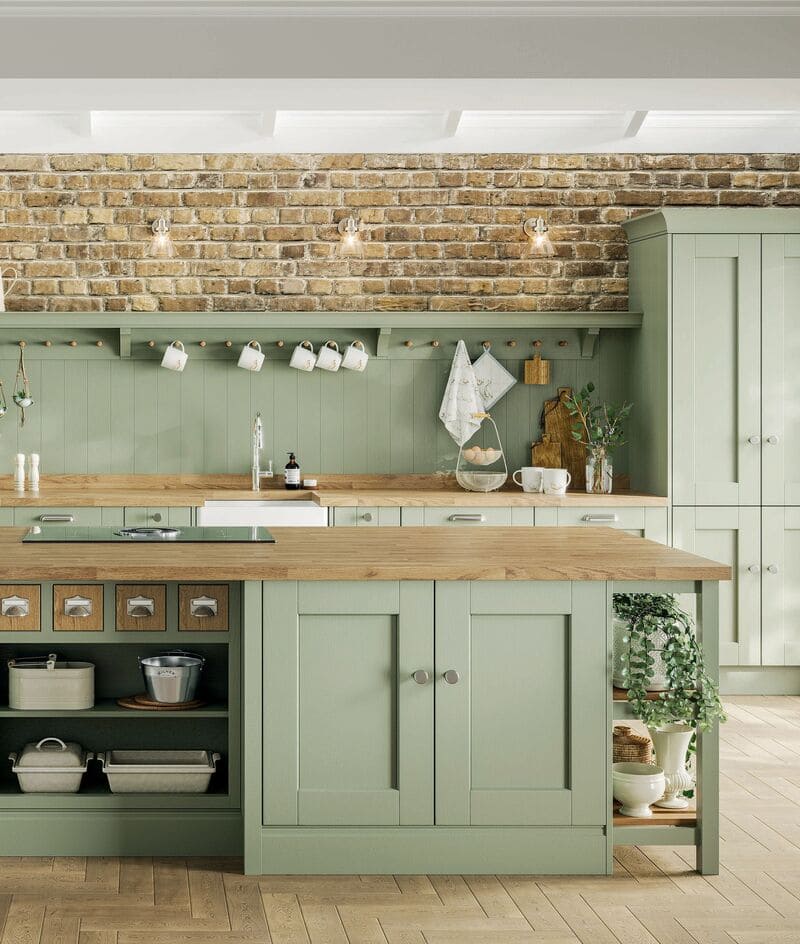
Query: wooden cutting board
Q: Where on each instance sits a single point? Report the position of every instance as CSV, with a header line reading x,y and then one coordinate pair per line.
x,y
556,449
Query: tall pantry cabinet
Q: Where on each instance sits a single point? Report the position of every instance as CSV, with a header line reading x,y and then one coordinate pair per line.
x,y
716,382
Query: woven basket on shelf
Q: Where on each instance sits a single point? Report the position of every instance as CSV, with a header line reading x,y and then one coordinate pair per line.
x,y
631,748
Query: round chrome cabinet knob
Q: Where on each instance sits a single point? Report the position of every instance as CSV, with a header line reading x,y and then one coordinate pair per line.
x,y
421,677
452,677
754,569
156,517
367,516
754,440
773,440
773,568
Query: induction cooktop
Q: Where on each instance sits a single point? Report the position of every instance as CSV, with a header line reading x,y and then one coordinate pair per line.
x,y
120,535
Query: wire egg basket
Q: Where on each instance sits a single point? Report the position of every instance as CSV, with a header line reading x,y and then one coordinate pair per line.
x,y
476,457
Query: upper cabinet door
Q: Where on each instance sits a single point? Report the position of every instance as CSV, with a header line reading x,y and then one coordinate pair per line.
x,y
519,667
780,345
716,347
348,730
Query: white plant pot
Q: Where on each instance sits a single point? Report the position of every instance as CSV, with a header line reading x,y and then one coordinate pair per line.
x,y
671,742
636,786
659,682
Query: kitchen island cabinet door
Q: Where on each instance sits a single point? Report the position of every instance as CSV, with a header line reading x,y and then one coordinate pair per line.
x,y
780,345
348,731
716,348
521,669
733,536
780,602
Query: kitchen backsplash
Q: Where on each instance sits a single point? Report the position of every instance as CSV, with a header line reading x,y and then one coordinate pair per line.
x,y
257,231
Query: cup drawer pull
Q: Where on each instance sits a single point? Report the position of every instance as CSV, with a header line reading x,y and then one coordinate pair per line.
x,y
15,606
478,518
202,607
600,519
78,606
63,519
140,607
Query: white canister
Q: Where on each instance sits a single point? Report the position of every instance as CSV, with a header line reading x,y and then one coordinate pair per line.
x,y
555,481
5,291
175,356
329,357
530,478
355,357
303,356
251,357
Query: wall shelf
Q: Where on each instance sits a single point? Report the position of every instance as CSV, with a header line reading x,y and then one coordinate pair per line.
x,y
107,708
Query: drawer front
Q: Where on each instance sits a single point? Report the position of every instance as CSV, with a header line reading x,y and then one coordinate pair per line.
x,y
366,517
465,516
20,608
155,515
6,517
141,607
629,519
203,607
78,608
58,517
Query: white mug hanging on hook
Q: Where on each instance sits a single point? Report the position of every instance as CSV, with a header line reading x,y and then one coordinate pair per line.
x,y
355,356
175,356
303,356
251,357
7,289
329,357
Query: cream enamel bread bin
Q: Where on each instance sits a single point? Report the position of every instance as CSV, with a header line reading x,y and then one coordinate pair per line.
x,y
42,683
158,771
51,766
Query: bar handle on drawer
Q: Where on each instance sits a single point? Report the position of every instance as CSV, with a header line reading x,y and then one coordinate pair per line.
x,y
140,607
202,607
467,518
79,607
15,606
600,519
65,519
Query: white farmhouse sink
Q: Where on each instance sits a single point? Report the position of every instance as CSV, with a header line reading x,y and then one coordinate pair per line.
x,y
277,514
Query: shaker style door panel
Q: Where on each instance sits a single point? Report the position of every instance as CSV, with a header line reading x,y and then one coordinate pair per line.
x,y
716,303
348,731
515,675
732,536
780,347
780,583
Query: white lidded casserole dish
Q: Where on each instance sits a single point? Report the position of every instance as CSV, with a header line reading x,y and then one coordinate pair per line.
x,y
51,766
158,771
42,683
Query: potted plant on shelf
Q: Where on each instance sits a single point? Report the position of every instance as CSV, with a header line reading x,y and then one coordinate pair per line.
x,y
655,637
598,426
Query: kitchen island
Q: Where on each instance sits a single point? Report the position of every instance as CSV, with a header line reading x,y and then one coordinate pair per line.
x,y
386,700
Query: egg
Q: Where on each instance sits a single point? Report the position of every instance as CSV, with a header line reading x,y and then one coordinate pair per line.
x,y
469,454
491,455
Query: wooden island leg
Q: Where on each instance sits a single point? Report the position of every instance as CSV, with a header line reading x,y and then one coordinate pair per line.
x,y
708,741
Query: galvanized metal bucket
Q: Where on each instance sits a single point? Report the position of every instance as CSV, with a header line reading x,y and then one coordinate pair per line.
x,y
173,677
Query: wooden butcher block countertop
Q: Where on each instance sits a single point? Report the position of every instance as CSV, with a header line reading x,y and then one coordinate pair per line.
x,y
406,553
109,491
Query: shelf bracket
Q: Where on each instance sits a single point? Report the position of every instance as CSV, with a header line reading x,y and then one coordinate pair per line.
x,y
588,341
124,342
384,336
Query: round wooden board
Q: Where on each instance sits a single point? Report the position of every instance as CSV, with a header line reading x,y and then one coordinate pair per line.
x,y
143,703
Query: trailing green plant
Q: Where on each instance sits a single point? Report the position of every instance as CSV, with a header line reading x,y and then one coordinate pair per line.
x,y
692,696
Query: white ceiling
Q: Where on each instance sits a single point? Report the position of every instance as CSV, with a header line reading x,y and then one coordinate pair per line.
x,y
399,75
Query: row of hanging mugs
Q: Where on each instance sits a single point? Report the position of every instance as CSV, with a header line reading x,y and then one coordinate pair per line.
x,y
329,357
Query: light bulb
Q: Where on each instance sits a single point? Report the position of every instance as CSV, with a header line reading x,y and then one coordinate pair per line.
x,y
351,244
539,243
161,245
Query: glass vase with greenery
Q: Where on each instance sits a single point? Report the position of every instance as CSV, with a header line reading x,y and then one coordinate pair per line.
x,y
598,426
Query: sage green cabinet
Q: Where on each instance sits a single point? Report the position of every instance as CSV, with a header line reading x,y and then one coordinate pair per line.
x,y
780,586
467,515
518,738
716,394
348,732
366,517
151,517
644,522
780,352
28,516
732,536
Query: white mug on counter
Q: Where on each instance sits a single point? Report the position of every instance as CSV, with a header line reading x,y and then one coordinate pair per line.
x,y
303,356
175,357
329,357
355,357
530,478
555,481
251,357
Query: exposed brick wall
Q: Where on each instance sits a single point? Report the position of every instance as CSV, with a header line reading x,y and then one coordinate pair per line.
x,y
258,231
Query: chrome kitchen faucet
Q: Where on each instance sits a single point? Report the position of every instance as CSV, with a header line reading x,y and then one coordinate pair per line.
x,y
258,445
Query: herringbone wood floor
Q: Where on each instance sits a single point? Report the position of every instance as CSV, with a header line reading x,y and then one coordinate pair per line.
x,y
653,896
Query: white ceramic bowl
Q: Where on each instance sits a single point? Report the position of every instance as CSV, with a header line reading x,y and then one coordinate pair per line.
x,y
636,786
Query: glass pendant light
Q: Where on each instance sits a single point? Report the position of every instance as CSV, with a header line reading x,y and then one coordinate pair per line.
x,y
161,245
351,245
539,243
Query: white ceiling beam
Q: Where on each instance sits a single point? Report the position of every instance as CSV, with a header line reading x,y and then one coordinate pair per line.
x,y
635,122
452,120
